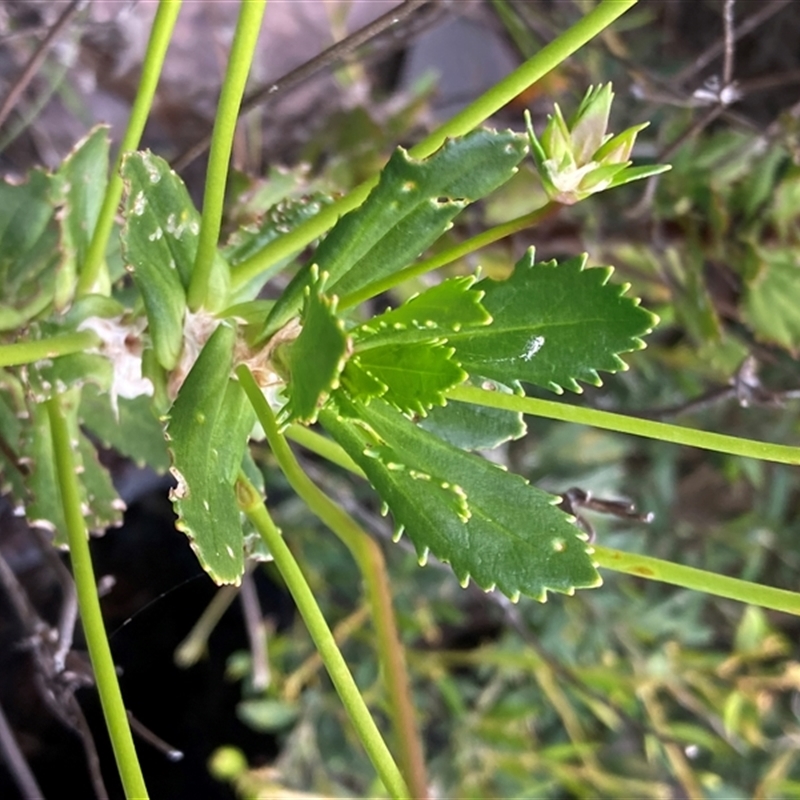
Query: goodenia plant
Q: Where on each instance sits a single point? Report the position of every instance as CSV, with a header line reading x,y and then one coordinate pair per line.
x,y
182,366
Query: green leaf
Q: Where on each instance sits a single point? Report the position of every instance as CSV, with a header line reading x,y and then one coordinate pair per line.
x,y
159,241
28,249
281,218
208,428
13,409
449,306
78,189
490,525
553,325
470,427
137,433
412,205
267,715
65,372
415,375
316,358
102,506
773,299
402,355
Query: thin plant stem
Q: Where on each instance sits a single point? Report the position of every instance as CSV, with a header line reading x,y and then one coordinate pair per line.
x,y
194,646
322,446
251,13
296,680
91,272
12,355
476,113
253,506
449,255
368,556
700,580
649,429
296,77
91,616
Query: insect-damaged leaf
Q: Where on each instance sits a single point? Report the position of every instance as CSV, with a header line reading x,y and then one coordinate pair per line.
x,y
412,205
208,429
159,242
102,507
553,325
136,433
488,524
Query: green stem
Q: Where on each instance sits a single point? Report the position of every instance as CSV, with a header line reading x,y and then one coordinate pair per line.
x,y
449,255
324,447
91,616
251,12
367,554
12,355
476,113
698,579
160,35
252,505
649,429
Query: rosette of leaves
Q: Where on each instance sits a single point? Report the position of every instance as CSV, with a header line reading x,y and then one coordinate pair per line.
x,y
380,387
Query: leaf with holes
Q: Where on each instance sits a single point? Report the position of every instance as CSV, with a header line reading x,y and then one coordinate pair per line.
x,y
553,325
208,428
490,525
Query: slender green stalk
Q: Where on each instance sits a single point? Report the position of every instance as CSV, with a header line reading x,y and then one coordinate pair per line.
x,y
649,429
252,505
89,604
90,276
12,355
324,447
195,645
698,579
449,255
251,12
476,113
367,554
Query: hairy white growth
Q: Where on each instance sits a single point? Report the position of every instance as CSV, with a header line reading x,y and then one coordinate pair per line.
x,y
121,344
